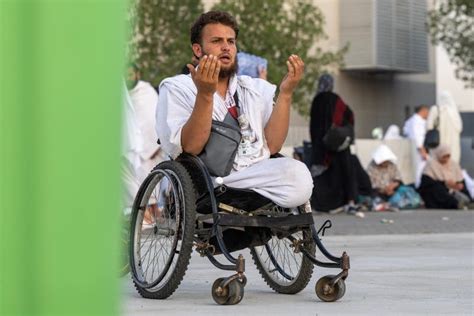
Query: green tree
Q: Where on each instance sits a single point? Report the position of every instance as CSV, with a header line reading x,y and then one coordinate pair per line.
x,y
275,30
451,24
159,36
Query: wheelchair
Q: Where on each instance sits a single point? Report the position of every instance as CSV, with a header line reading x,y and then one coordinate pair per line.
x,y
178,209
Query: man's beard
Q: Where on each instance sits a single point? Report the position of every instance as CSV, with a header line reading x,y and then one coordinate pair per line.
x,y
232,70
227,73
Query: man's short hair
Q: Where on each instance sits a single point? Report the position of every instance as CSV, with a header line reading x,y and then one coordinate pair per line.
x,y
212,17
418,108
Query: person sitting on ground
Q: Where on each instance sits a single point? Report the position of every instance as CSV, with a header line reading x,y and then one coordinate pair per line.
x,y
389,193
442,184
188,103
383,172
384,175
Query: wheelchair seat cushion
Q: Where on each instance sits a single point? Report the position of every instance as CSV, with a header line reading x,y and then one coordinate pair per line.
x,y
244,199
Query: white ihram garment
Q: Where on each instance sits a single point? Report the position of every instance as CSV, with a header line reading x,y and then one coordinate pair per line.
x,y
415,129
144,100
450,123
132,144
286,182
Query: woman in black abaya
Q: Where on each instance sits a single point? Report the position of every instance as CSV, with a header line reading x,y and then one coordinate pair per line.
x,y
334,172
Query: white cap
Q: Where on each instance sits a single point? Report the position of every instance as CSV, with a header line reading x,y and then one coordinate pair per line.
x,y
219,181
383,153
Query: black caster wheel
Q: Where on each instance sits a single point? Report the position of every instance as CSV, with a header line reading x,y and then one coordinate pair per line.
x,y
231,294
327,292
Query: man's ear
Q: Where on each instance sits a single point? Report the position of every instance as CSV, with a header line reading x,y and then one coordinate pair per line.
x,y
197,50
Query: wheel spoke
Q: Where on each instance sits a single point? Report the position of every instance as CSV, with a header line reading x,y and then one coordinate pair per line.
x,y
281,266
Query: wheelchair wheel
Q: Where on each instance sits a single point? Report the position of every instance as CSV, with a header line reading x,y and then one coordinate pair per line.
x,y
162,230
327,292
284,270
229,295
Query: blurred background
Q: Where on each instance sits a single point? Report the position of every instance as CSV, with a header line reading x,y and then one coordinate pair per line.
x,y
62,66
387,56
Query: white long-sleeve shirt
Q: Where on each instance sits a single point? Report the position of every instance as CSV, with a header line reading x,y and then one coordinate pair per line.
x,y
415,129
176,102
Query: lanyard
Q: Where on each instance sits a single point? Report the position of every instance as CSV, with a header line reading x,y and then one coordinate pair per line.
x,y
233,104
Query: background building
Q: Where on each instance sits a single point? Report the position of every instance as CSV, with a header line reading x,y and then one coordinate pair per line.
x,y
390,68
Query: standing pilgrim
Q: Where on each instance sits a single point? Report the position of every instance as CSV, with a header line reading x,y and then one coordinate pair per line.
x,y
450,123
415,129
144,101
334,176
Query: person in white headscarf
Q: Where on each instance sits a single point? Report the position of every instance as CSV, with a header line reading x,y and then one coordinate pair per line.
x,y
450,123
383,172
393,132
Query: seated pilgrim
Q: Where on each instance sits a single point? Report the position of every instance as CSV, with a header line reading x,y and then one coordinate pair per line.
x,y
383,172
442,183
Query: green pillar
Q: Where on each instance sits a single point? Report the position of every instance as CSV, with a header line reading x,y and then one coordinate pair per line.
x,y
60,115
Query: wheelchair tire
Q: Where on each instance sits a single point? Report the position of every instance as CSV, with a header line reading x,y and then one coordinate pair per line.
x,y
169,227
294,270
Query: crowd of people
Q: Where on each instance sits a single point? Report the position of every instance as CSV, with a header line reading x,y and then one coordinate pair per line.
x,y
341,183
209,90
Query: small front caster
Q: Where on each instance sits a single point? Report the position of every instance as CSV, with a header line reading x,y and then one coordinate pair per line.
x,y
229,294
328,292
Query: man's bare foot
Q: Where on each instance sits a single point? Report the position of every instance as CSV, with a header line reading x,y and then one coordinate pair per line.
x,y
153,215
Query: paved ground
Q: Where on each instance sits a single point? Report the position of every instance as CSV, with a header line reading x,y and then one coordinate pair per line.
x,y
422,264
404,222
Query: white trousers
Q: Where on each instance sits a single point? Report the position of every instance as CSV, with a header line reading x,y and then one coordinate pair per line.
x,y
420,166
285,181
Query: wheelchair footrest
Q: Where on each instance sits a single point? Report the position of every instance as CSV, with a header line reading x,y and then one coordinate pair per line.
x,y
264,221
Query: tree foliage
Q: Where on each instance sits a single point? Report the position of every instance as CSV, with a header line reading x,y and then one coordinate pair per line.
x,y
275,30
451,23
159,39
159,36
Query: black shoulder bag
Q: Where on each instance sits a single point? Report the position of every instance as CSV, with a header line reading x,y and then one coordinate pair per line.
x,y
432,136
219,153
338,138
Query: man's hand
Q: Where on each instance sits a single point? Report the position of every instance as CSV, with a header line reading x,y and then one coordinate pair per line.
x,y
277,126
197,129
423,153
457,186
206,76
295,73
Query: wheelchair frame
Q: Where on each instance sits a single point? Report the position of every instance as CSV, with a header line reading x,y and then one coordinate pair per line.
x,y
229,290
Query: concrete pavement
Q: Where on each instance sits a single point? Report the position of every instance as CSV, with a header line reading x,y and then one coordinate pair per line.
x,y
404,222
391,274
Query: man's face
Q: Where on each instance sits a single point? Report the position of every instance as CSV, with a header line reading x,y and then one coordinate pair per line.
x,y
219,40
132,78
424,113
